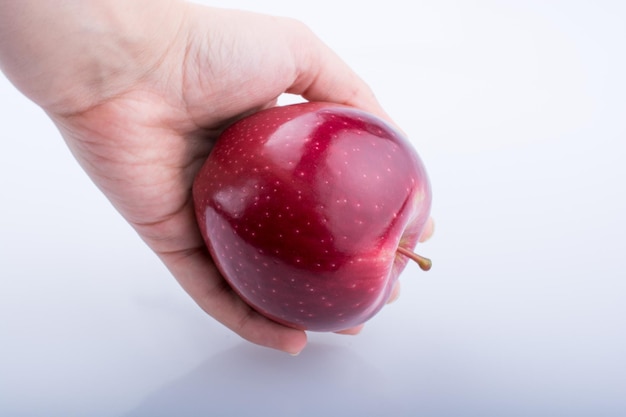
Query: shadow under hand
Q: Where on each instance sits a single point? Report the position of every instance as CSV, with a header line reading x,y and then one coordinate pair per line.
x,y
248,380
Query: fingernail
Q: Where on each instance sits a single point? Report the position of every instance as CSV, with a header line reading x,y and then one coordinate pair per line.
x,y
295,353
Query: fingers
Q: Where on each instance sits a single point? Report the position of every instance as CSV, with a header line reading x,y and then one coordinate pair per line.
x,y
198,275
179,244
428,231
395,293
352,331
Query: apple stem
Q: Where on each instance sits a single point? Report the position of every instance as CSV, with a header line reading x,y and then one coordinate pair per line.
x,y
424,263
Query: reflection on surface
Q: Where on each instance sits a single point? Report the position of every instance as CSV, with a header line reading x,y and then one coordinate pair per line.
x,y
248,380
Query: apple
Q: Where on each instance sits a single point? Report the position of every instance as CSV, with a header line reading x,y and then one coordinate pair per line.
x,y
311,211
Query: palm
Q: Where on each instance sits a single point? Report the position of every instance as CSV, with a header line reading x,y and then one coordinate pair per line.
x,y
140,162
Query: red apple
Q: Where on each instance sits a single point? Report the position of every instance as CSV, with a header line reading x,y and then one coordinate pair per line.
x,y
311,211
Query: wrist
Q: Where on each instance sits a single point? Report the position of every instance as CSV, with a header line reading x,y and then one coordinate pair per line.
x,y
68,56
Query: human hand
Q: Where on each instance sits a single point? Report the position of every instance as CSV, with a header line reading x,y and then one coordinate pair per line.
x,y
141,93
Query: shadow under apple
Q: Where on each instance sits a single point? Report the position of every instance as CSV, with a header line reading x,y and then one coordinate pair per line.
x,y
248,380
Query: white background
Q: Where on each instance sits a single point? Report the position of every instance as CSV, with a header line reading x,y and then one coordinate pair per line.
x,y
518,109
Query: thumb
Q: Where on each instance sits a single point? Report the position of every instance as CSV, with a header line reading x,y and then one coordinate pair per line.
x,y
321,75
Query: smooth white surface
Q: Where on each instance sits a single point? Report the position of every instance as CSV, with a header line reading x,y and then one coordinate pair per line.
x,y
518,110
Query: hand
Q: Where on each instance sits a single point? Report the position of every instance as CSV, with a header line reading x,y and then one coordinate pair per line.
x,y
140,96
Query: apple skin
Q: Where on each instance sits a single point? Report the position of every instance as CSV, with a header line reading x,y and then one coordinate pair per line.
x,y
303,208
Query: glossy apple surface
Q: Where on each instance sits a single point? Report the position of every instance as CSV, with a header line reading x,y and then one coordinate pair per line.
x,y
304,207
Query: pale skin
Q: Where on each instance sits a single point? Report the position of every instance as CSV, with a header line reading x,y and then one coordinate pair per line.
x,y
140,90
